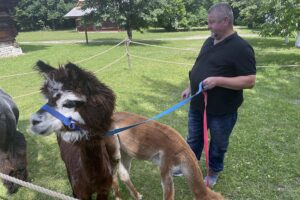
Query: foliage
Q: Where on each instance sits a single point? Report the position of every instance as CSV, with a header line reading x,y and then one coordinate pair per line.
x,y
272,17
42,14
174,14
127,14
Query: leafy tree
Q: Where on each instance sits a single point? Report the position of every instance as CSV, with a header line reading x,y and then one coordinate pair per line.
x,y
272,17
128,14
41,14
171,14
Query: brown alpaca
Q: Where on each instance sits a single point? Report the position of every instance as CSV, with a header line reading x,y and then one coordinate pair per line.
x,y
163,146
89,157
13,160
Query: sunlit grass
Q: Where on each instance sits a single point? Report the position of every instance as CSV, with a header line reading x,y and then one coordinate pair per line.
x,y
263,159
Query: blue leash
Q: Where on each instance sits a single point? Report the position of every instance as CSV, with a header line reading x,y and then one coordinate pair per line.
x,y
166,112
71,123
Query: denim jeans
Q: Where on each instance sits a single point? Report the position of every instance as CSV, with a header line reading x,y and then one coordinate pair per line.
x,y
220,128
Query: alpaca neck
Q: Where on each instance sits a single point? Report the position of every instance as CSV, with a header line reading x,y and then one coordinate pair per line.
x,y
94,157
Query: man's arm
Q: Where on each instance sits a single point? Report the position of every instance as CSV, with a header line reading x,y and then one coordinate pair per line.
x,y
234,83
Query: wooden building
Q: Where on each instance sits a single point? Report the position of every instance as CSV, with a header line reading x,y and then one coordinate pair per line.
x,y
76,13
8,29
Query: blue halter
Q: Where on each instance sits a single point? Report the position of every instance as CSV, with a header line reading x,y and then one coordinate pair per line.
x,y
67,121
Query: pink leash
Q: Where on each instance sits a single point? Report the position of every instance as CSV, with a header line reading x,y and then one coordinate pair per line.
x,y
205,135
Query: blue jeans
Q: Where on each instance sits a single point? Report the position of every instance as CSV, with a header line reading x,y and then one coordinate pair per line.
x,y
220,127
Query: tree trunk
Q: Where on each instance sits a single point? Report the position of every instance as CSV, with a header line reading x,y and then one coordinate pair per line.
x,y
86,35
286,39
129,33
297,44
53,25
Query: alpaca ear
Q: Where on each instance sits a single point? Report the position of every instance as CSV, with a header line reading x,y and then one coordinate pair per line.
x,y
74,71
43,68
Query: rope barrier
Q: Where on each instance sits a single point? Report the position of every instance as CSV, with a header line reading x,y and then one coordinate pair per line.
x,y
12,75
110,64
80,61
24,95
77,62
36,188
152,45
162,61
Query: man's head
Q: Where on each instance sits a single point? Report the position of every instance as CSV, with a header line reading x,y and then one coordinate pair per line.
x,y
220,20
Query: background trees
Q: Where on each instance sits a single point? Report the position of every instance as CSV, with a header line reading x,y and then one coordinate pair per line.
x,y
43,14
270,17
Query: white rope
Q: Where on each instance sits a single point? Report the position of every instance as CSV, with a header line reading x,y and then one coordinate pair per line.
x,y
152,45
24,95
12,75
77,62
106,66
36,188
162,61
110,64
278,66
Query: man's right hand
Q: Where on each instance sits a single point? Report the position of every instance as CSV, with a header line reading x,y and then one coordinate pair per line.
x,y
186,93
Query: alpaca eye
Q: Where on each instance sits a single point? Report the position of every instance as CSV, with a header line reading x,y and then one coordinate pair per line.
x,y
72,104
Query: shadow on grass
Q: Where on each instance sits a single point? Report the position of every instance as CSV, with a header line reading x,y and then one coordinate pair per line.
x,y
26,48
269,42
3,198
277,58
114,41
162,30
162,96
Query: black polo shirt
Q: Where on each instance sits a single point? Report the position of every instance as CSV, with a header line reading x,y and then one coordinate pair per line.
x,y
229,58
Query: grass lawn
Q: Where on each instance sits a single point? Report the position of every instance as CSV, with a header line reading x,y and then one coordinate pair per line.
x,y
263,158
102,36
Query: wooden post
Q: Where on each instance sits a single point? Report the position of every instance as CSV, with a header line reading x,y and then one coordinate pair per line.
x,y
127,42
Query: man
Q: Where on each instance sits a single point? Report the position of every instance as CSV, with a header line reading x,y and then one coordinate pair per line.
x,y
226,66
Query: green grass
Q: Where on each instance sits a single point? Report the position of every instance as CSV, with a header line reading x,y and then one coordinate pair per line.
x,y
100,36
263,158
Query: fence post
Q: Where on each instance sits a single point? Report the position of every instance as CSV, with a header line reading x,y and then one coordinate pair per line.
x,y
127,43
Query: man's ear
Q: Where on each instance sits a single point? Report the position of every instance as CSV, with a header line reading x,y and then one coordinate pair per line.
x,y
43,68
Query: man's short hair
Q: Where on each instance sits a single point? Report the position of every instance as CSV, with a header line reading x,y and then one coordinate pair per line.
x,y
223,10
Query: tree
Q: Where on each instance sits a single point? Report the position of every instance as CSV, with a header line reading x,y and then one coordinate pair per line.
x,y
174,14
128,14
171,14
36,15
272,17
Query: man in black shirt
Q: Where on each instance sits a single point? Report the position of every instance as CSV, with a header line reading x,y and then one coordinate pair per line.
x,y
226,66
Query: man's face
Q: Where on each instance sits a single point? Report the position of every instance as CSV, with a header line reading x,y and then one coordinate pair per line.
x,y
217,25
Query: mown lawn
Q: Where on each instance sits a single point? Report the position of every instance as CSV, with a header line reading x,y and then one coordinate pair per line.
x,y
263,159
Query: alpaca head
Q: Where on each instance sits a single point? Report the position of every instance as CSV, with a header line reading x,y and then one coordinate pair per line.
x,y
76,93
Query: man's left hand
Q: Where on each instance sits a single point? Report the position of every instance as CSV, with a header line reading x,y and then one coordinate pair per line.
x,y
210,82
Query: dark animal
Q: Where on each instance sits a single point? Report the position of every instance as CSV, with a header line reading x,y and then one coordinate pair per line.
x,y
13,159
90,158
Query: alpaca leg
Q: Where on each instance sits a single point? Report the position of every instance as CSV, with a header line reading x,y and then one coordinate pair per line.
x,y
102,196
115,186
124,170
167,180
113,148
